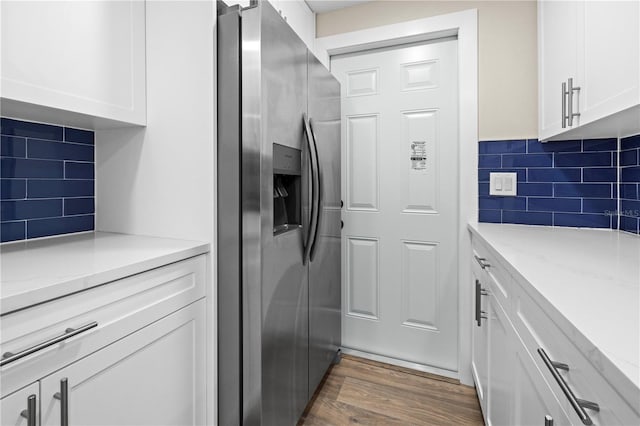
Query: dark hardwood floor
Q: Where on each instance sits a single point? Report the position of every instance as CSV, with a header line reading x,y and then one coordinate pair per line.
x,y
359,391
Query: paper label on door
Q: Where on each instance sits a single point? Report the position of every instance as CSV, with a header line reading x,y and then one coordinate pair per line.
x,y
418,155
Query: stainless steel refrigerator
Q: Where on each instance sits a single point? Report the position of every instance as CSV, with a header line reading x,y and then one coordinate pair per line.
x,y
278,219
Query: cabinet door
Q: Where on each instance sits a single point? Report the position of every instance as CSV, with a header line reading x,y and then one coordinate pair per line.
x,y
501,360
611,37
557,60
11,406
86,57
155,376
533,398
480,350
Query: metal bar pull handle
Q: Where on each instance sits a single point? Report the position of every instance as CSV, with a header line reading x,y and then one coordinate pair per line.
x,y
313,222
570,91
9,357
30,413
548,420
578,404
481,261
478,290
480,314
564,105
318,191
63,397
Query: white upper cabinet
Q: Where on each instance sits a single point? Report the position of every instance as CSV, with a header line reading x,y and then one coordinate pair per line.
x,y
557,60
75,57
593,46
611,37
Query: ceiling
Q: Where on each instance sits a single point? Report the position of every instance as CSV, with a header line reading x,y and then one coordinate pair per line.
x,y
321,6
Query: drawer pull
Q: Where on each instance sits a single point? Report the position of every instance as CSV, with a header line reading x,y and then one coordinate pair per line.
x,y
30,412
481,261
63,397
9,357
480,314
578,404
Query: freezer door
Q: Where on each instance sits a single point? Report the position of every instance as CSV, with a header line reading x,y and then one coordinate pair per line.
x,y
229,215
324,268
275,279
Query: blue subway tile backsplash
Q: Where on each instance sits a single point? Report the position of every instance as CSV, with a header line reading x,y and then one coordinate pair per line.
x,y
47,180
630,184
564,183
11,127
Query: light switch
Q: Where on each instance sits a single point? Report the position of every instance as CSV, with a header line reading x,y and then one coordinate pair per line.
x,y
503,184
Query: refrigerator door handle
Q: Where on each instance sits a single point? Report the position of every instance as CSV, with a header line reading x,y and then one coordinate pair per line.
x,y
313,217
318,208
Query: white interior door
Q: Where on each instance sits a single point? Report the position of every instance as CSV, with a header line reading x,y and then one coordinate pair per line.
x,y
400,183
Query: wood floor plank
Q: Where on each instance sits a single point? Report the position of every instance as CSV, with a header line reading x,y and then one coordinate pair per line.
x,y
358,391
400,369
436,388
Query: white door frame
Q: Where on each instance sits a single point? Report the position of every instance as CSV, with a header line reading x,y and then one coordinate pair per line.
x,y
464,25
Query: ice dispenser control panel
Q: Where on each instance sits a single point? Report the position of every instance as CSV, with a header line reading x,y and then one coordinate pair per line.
x,y
287,175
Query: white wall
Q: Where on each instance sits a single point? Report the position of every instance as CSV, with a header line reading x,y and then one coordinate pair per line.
x,y
160,180
507,54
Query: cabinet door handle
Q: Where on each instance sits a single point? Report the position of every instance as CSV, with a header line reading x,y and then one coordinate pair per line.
x,y
564,104
481,261
63,397
578,404
9,357
30,412
570,91
478,291
548,420
480,314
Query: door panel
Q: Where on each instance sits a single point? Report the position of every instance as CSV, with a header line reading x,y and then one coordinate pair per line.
x,y
400,168
420,285
324,268
362,286
362,157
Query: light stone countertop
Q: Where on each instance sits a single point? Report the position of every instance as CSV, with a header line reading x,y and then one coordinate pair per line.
x,y
587,281
35,271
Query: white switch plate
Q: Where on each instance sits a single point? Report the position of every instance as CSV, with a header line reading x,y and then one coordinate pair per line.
x,y
503,184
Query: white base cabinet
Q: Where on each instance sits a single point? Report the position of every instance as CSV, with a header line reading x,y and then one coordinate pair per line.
x,y
515,385
142,364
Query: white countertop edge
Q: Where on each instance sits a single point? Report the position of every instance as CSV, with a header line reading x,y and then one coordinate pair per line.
x,y
607,365
30,297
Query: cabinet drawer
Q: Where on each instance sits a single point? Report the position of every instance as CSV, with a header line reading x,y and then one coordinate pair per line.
x,y
537,330
495,277
119,308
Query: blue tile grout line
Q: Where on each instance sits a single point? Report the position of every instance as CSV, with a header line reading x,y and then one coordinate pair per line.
x,y
566,183
47,180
